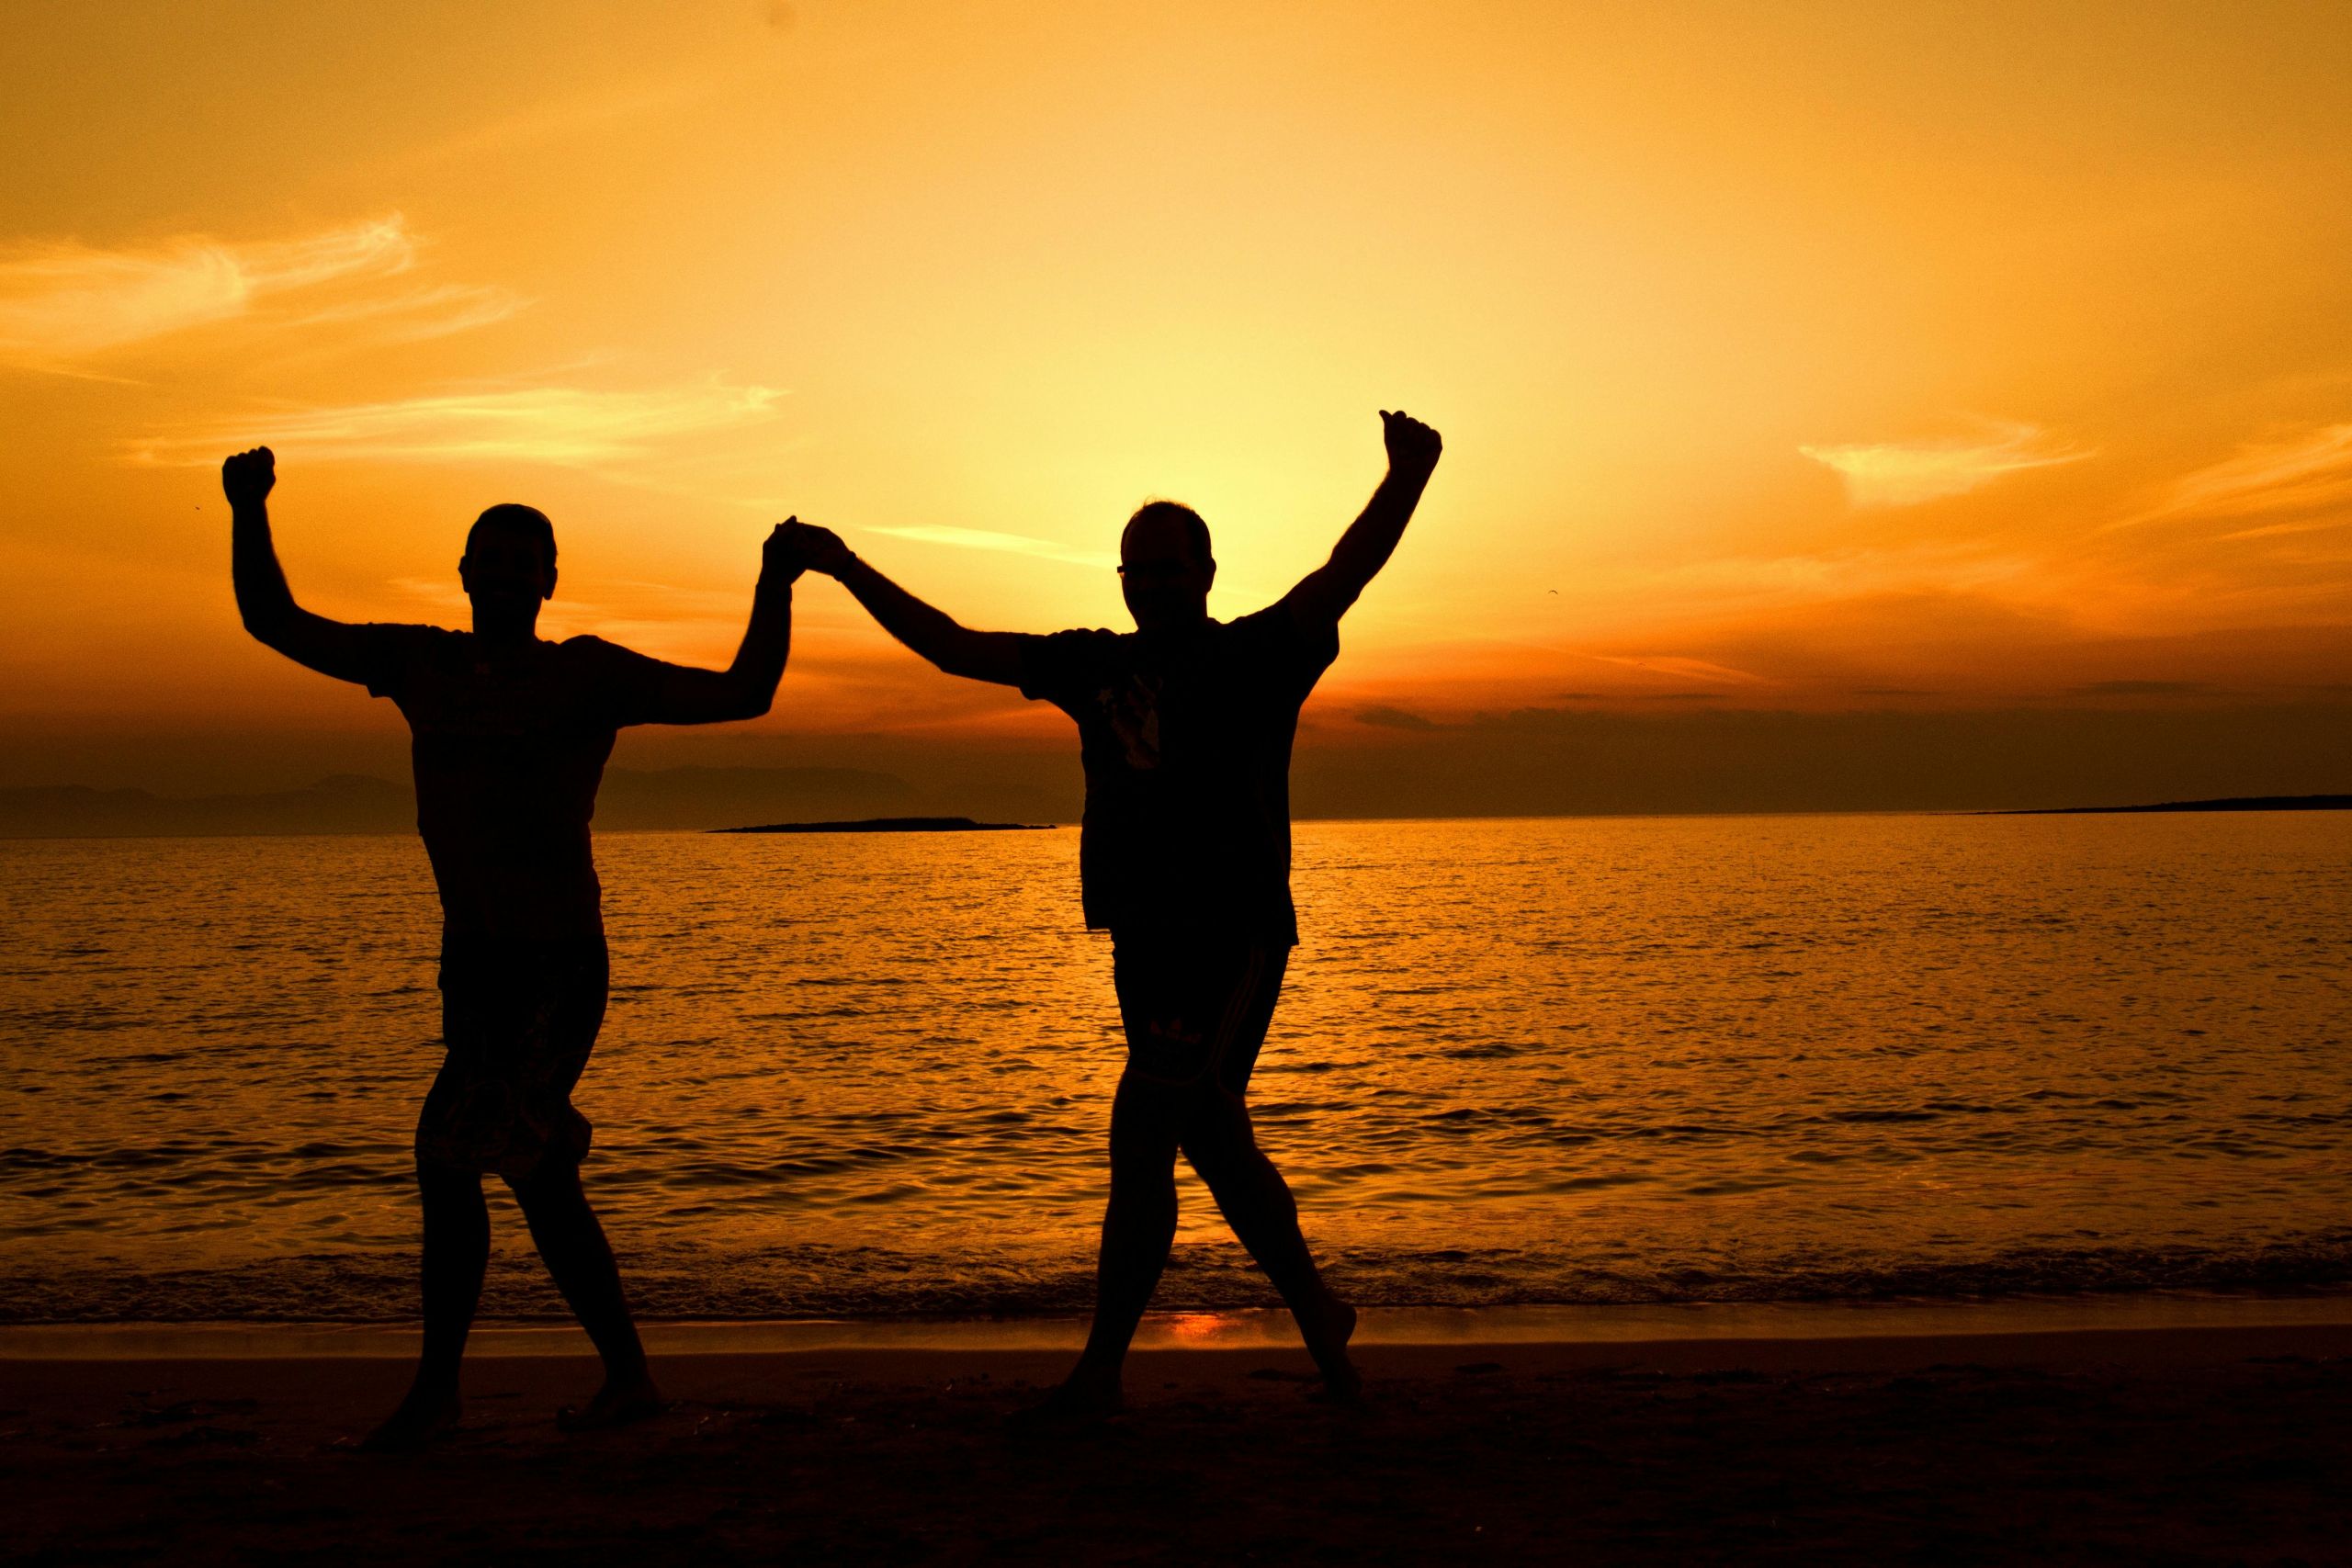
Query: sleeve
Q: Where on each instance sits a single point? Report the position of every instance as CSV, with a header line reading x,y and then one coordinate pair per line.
x,y
1300,646
387,652
1060,667
624,685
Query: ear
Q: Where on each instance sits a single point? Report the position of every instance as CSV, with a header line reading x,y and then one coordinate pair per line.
x,y
550,593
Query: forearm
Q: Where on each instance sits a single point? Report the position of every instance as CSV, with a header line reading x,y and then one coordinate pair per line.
x,y
929,631
768,643
264,601
1372,538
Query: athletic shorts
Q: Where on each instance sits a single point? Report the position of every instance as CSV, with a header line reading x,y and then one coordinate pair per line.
x,y
519,1022
1196,1015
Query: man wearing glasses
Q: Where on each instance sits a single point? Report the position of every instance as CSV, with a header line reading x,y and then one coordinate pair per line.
x,y
1185,725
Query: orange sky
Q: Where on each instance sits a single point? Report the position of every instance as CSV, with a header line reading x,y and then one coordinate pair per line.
x,y
1789,357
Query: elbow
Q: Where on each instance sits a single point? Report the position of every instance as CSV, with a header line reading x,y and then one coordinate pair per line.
x,y
959,654
752,704
267,629
963,669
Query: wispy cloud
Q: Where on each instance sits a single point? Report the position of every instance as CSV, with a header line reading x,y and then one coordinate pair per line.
x,y
2138,688
1013,544
2306,473
568,426
1679,668
1382,716
1908,473
569,116
419,313
63,305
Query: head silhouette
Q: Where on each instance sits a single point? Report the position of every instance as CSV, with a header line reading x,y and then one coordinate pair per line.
x,y
1165,567
508,569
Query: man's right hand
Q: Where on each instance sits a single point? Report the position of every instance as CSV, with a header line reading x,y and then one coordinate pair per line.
x,y
246,478
1413,447
821,549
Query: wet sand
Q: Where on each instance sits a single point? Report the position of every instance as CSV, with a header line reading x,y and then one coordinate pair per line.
x,y
2163,1445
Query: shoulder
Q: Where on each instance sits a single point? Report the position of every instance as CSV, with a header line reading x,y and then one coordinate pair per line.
x,y
397,639
1283,628
586,649
1283,622
391,652
594,656
1052,660
1087,643
1087,636
400,631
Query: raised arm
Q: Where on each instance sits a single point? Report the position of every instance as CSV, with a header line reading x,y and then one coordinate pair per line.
x,y
934,634
264,601
1324,594
746,688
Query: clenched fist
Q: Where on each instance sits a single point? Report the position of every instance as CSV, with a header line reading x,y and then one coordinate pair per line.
x,y
246,478
1412,446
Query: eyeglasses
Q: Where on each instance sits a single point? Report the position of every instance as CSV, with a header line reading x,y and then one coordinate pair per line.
x,y
1158,571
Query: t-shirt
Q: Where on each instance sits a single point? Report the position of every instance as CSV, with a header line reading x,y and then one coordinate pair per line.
x,y
1187,741
509,745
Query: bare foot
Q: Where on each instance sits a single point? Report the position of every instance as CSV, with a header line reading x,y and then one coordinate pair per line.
x,y
1084,1399
1342,1384
426,1415
622,1402
1341,1321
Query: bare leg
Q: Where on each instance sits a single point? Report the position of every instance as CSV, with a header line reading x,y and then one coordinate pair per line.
x,y
1257,1203
1139,1228
572,1244
457,1251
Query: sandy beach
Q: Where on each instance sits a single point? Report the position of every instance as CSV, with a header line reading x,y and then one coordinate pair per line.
x,y
2149,1445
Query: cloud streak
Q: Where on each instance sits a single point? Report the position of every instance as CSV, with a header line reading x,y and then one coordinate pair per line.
x,y
567,426
1012,544
419,313
1679,667
2311,473
63,305
1910,473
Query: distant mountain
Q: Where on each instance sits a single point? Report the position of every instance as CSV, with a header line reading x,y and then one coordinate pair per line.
x,y
665,799
347,803
719,798
2234,803
893,825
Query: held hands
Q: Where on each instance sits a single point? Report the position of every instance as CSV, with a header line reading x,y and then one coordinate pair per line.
x,y
819,549
781,557
246,478
1412,446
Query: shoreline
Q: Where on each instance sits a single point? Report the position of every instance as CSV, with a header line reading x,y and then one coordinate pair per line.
x,y
2187,1445
1254,1329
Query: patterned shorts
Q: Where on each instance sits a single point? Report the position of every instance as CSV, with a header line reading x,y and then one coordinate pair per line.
x,y
1196,1015
519,1020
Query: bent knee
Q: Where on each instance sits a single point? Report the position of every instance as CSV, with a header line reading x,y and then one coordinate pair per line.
x,y
1223,1152
553,1176
1143,1159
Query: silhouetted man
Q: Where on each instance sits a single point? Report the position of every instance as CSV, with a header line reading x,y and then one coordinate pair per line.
x,y
1185,725
510,737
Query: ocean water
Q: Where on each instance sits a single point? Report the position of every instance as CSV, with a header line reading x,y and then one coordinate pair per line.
x,y
1555,1061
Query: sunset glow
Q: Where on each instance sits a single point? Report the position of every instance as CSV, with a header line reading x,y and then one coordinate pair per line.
x,y
1791,358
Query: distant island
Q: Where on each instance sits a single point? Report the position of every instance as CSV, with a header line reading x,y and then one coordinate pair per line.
x,y
895,825
2239,803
